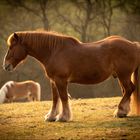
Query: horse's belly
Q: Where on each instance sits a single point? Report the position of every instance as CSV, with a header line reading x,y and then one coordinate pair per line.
x,y
88,79
21,94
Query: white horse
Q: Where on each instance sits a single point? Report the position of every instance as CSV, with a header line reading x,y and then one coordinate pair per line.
x,y
12,90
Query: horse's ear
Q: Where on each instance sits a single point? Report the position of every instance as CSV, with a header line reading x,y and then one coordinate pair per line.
x,y
16,37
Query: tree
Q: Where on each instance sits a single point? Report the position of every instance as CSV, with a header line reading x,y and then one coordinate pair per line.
x,y
85,13
39,8
106,9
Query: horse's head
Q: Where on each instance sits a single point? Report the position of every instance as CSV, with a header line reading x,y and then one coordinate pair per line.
x,y
15,54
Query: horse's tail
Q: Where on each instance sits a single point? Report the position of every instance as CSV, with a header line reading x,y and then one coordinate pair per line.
x,y
38,91
135,99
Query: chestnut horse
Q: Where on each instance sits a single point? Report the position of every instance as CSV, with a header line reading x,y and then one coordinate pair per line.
x,y
66,60
12,90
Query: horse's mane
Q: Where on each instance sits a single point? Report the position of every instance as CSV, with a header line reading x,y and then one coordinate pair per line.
x,y
46,38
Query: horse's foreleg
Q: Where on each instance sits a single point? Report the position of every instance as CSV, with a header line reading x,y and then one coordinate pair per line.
x,y
124,105
54,111
65,115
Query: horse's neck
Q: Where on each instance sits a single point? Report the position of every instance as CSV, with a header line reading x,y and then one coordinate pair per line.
x,y
41,54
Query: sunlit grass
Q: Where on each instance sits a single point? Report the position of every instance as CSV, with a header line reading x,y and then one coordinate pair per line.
x,y
92,119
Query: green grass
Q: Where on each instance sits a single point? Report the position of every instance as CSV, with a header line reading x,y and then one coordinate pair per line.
x,y
92,119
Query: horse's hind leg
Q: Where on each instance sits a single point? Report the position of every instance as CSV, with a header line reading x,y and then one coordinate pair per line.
x,y
124,105
54,111
127,104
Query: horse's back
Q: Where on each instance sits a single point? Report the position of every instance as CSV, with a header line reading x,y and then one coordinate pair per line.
x,y
98,60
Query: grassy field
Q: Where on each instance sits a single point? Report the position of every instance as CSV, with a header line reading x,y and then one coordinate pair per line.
x,y
92,119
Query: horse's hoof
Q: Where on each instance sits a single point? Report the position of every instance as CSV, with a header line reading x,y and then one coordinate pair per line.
x,y
120,113
60,118
49,118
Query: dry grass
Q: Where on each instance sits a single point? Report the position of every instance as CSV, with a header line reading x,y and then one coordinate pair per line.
x,y
92,119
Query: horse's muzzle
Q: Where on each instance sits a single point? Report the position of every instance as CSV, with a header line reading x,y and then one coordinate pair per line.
x,y
8,67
